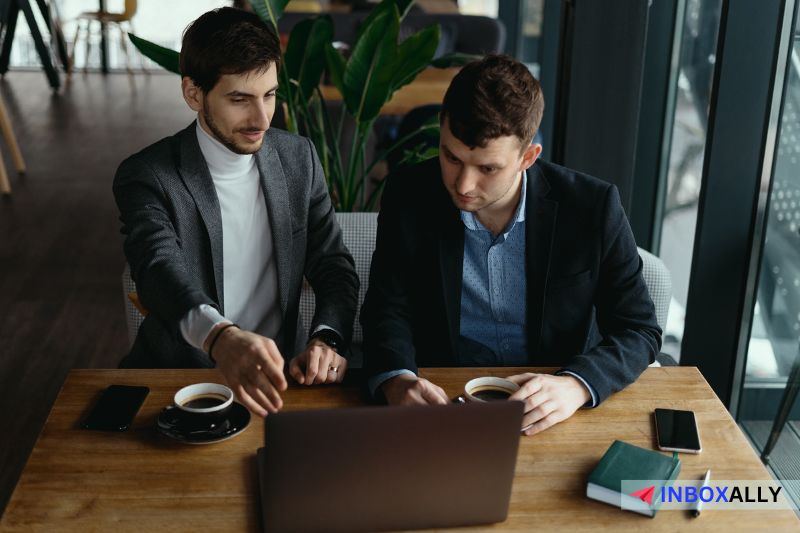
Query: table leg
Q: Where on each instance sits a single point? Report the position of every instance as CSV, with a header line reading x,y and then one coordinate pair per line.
x,y
5,186
53,23
11,139
103,40
8,41
41,47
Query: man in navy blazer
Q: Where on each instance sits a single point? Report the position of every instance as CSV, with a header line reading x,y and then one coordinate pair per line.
x,y
491,257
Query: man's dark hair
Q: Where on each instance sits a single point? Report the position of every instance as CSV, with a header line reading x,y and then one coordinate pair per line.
x,y
493,97
227,41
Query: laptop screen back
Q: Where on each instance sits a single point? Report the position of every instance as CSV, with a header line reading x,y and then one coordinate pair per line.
x,y
384,468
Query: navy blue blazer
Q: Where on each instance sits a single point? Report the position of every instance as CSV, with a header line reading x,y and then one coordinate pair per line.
x,y
588,308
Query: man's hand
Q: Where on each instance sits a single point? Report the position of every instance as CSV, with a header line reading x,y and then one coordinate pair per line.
x,y
408,389
318,364
548,399
252,366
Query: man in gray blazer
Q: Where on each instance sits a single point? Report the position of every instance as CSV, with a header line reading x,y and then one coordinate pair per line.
x,y
224,219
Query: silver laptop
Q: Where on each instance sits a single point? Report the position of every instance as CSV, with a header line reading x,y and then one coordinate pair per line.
x,y
386,468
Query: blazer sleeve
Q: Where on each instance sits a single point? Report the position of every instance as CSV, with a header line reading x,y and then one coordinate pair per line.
x,y
329,267
386,313
151,245
626,316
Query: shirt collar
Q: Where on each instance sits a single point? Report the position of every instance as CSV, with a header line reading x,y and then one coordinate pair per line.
x,y
472,223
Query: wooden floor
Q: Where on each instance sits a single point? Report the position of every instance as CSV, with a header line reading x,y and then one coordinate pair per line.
x,y
61,256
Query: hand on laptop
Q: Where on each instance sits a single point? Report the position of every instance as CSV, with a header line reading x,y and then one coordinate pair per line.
x,y
252,367
548,399
408,389
318,364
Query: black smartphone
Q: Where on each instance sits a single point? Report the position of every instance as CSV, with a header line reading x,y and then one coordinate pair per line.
x,y
115,409
676,431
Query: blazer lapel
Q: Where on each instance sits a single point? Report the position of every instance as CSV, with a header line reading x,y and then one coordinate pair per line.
x,y
276,193
451,260
197,179
540,223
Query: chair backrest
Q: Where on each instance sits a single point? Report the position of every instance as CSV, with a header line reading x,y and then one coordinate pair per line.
x,y
467,34
659,283
358,233
130,9
133,317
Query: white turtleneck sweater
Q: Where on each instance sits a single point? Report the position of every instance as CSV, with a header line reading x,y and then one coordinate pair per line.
x,y
250,280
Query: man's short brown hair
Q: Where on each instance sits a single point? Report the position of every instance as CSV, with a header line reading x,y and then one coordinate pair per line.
x,y
227,41
493,97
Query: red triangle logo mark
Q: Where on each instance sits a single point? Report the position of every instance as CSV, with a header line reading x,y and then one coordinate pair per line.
x,y
646,494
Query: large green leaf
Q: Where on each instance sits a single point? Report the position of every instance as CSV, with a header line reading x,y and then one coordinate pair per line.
x,y
386,6
414,55
336,66
370,70
169,59
456,59
281,93
269,10
403,7
304,59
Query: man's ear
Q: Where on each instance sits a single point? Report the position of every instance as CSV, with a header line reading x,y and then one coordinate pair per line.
x,y
192,94
531,154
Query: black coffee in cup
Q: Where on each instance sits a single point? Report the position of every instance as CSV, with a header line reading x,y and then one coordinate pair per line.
x,y
491,394
204,401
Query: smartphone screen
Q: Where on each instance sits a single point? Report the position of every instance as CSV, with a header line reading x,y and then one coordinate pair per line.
x,y
115,409
677,431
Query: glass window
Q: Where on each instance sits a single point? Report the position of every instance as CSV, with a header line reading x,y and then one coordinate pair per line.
x,y
150,21
532,19
687,147
487,8
767,411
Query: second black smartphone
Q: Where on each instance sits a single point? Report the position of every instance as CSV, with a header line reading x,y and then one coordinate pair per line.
x,y
116,408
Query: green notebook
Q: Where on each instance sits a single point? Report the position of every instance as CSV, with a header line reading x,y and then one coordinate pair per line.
x,y
626,461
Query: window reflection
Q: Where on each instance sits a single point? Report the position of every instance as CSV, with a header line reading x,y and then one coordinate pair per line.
x,y
696,70
768,410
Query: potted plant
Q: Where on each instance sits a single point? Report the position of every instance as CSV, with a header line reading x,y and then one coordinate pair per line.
x,y
378,65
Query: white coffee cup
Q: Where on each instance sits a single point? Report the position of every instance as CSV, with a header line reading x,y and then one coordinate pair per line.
x,y
489,388
204,398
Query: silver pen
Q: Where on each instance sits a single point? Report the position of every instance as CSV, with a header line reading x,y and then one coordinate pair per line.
x,y
698,507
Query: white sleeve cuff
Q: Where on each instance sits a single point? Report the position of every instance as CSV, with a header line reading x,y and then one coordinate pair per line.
x,y
376,381
324,326
197,324
585,384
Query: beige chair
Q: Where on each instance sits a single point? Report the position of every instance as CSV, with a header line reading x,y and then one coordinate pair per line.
x,y
11,141
85,21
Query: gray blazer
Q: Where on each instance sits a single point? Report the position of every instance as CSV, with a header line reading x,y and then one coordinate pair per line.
x,y
173,242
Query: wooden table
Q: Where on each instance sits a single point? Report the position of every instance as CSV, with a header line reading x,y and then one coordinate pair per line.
x,y
142,481
427,88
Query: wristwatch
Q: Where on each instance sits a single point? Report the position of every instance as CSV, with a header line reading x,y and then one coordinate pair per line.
x,y
329,337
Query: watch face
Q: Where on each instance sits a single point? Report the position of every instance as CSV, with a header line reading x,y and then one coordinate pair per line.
x,y
328,337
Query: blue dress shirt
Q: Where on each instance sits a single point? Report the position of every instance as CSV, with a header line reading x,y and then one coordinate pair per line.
x,y
493,292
